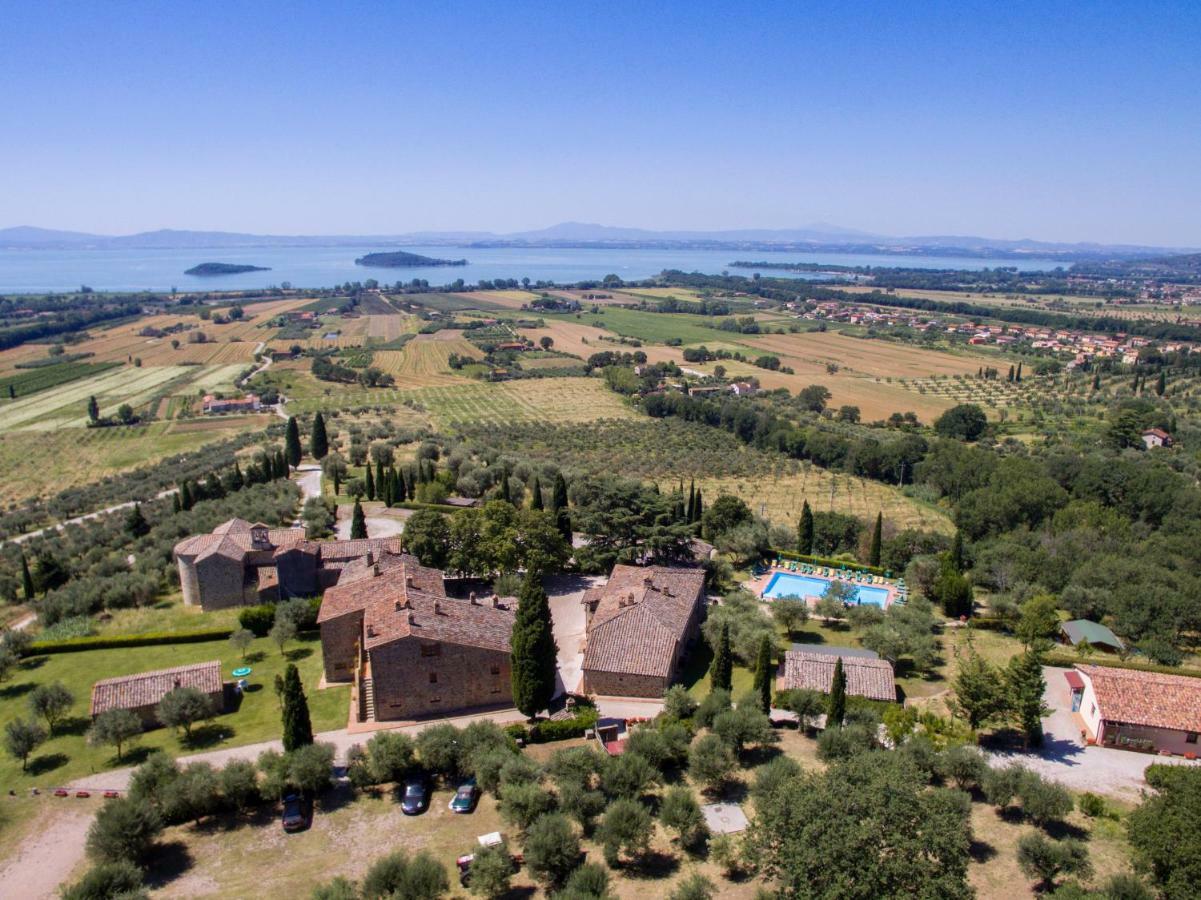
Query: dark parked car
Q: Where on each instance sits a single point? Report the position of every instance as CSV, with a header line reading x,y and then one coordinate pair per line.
x,y
416,798
298,813
466,797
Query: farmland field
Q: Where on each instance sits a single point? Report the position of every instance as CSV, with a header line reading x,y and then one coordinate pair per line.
x,y
571,336
88,455
24,382
649,326
424,361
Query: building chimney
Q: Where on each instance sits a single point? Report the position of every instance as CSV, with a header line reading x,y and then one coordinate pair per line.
x,y
412,620
370,631
370,558
437,607
399,604
375,570
409,582
495,602
648,581
474,600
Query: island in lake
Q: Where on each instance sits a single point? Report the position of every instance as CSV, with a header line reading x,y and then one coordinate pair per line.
x,y
213,268
399,259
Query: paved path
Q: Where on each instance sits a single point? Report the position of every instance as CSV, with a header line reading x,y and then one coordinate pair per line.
x,y
308,478
381,522
568,619
1064,757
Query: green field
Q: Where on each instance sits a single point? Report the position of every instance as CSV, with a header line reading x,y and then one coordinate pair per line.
x,y
30,381
652,327
67,755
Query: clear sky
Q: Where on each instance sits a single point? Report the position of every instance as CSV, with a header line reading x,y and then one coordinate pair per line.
x,y
1042,120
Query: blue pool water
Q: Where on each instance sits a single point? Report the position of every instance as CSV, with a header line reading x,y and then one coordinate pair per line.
x,y
785,584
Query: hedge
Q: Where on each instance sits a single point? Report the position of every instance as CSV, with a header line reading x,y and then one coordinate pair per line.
x,y
1067,660
109,642
549,730
829,563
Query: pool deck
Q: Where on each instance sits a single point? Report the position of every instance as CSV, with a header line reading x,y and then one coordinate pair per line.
x,y
759,584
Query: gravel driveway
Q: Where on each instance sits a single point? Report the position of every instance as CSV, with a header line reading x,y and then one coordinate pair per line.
x,y
1064,757
569,620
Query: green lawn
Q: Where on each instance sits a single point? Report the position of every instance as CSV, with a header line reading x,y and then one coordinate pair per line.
x,y
67,755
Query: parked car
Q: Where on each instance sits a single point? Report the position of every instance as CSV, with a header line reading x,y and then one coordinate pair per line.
x,y
466,797
298,813
416,797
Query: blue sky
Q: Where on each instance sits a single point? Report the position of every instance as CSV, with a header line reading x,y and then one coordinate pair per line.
x,y
1050,121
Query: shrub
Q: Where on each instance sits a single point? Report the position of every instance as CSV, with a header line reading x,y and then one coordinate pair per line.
x,y
772,775
396,875
627,775
107,881
678,703
1093,806
695,887
1046,860
552,849
711,762
589,882
522,803
257,619
491,872
124,830
843,742
716,702
117,641
964,765
681,813
626,828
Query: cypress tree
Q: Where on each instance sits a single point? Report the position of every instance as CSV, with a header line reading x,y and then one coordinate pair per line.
x,y
1024,686
721,671
12,392
957,552
533,649
281,464
1009,377
135,523
691,502
400,490
1161,383
836,709
370,483
236,481
805,531
358,523
559,495
873,553
1096,381
93,409
504,487
699,509
381,480
292,441
536,494
764,672
298,728
175,507
26,580
1018,376
185,497
319,442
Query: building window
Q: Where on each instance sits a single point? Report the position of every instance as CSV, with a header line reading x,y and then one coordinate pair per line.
x,y
1092,710
495,669
435,699
431,649
1191,738
433,677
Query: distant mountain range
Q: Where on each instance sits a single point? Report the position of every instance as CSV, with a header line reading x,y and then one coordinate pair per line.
x,y
817,236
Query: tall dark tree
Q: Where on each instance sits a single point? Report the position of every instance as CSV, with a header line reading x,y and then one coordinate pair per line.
x,y
689,514
764,673
698,509
370,483
185,497
26,580
358,523
381,481
136,525
804,543
721,671
1097,381
176,506
400,490
836,709
504,487
1017,377
1011,373
1161,383
957,559
559,494
319,440
873,554
292,442
533,650
93,409
1024,687
298,728
536,494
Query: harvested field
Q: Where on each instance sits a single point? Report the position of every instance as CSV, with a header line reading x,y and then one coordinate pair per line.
x,y
778,497
549,362
390,327
425,360
572,337
67,405
864,356
553,400
500,299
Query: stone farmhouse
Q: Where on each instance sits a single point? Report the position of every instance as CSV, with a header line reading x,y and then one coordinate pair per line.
x,y
866,676
242,563
638,625
1135,710
142,692
410,651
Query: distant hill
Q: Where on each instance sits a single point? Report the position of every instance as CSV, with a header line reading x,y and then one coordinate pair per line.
x,y
398,259
219,268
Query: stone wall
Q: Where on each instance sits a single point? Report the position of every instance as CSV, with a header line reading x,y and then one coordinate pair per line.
x,y
622,684
338,637
463,678
222,583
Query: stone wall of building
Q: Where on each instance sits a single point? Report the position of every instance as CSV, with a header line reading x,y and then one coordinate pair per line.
x,y
338,639
622,684
189,581
222,583
415,678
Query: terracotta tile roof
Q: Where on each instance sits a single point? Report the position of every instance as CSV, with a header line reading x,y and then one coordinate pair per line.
x,y
871,678
640,616
343,550
1146,698
400,598
235,544
148,688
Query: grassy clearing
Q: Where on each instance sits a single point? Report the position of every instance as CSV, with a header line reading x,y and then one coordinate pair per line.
x,y
647,326
67,755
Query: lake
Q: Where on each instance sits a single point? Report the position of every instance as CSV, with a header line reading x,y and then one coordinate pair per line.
x,y
35,271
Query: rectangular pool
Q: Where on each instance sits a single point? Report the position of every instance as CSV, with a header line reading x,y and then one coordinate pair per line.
x,y
786,584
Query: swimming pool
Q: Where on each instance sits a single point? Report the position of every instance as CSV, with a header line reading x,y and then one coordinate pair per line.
x,y
785,584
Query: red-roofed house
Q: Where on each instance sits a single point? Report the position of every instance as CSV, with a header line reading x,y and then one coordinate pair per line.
x,y
1156,437
866,677
411,651
1139,710
142,692
639,624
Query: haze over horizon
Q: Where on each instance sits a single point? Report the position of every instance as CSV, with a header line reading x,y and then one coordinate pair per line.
x,y
1065,125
